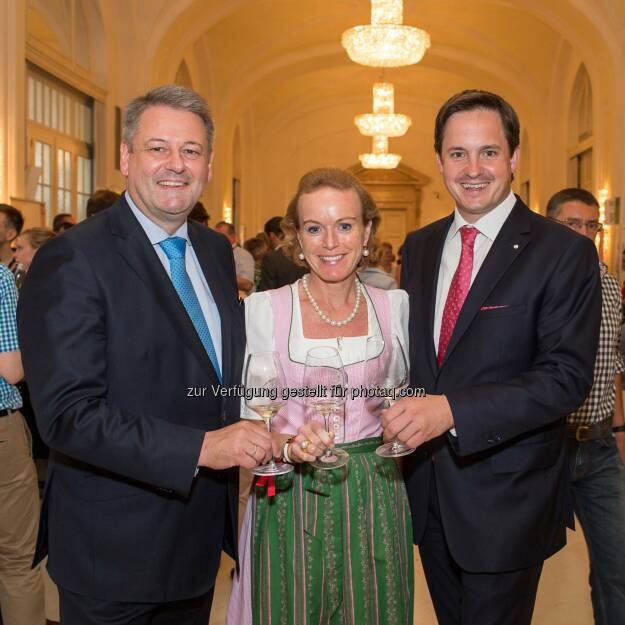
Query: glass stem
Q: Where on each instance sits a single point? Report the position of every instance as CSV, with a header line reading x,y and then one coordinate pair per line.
x,y
272,462
326,418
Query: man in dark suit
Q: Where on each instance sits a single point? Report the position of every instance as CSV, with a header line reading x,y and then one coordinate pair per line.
x,y
276,269
504,317
129,323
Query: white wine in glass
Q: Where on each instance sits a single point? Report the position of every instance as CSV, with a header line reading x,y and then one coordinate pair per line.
x,y
324,372
264,385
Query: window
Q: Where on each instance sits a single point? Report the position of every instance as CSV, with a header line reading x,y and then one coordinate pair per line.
x,y
580,170
580,166
60,139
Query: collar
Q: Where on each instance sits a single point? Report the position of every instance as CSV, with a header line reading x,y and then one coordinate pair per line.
x,y
154,232
490,224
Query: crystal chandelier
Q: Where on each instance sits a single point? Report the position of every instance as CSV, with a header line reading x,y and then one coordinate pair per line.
x,y
386,42
379,158
383,121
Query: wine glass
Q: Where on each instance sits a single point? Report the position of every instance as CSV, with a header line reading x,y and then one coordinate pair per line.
x,y
324,379
387,370
264,385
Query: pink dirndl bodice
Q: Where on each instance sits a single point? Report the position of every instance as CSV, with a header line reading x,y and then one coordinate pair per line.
x,y
359,422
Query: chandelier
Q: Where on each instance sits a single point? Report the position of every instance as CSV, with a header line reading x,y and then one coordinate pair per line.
x,y
386,42
379,158
383,121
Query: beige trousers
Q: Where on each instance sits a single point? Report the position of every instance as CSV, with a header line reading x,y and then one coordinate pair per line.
x,y
21,588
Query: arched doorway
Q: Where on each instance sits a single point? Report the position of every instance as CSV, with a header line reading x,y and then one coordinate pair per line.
x,y
397,193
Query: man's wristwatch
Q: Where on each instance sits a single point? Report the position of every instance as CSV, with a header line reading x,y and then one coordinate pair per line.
x,y
618,428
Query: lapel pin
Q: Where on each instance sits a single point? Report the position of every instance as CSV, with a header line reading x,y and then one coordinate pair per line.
x,y
516,246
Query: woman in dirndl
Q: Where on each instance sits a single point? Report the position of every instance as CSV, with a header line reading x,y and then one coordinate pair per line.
x,y
327,547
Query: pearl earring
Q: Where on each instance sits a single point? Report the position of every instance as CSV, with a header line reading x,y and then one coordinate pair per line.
x,y
301,256
365,251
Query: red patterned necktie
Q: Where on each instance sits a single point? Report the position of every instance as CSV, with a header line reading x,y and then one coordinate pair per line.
x,y
458,290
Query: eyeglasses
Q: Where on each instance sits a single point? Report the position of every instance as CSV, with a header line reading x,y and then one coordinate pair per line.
x,y
577,224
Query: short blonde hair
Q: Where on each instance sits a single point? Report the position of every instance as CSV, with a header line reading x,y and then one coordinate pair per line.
x,y
335,179
37,236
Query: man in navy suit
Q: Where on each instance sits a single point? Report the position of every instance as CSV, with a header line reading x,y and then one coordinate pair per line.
x,y
504,317
130,325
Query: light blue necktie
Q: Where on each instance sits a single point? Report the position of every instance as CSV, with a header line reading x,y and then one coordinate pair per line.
x,y
174,248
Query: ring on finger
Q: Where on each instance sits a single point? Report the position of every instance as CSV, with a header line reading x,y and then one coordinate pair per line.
x,y
253,454
304,444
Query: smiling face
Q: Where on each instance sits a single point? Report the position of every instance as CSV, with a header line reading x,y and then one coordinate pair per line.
x,y
475,162
332,232
167,165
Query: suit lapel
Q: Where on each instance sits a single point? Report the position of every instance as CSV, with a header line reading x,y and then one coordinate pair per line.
x,y
135,247
206,256
509,243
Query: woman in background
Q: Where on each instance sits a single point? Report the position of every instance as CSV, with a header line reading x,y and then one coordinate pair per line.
x,y
257,247
27,244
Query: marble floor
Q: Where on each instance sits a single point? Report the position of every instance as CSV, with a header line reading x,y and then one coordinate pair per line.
x,y
563,594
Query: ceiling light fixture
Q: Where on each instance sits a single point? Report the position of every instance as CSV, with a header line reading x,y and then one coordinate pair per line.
x,y
386,42
383,121
379,157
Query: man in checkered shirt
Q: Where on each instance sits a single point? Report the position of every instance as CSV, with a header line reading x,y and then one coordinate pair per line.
x,y
21,588
596,432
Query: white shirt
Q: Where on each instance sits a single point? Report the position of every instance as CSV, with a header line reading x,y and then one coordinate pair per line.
x,y
489,226
207,303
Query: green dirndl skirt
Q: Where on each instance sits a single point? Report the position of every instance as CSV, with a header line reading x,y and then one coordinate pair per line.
x,y
334,547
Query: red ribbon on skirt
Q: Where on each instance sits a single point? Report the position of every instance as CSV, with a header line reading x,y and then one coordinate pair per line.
x,y
270,481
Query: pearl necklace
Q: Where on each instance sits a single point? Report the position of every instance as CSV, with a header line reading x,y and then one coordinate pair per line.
x,y
322,315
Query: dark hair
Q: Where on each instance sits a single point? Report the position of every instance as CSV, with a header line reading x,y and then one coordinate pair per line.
x,y
256,246
198,213
335,179
473,99
101,200
172,96
60,222
272,226
14,217
569,195
229,227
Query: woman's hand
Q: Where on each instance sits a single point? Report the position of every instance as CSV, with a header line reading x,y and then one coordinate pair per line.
x,y
311,441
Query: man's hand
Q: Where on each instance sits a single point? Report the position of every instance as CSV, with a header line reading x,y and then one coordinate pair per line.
x,y
415,420
246,444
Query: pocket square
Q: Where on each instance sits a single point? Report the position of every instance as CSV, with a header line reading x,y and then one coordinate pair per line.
x,y
495,307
